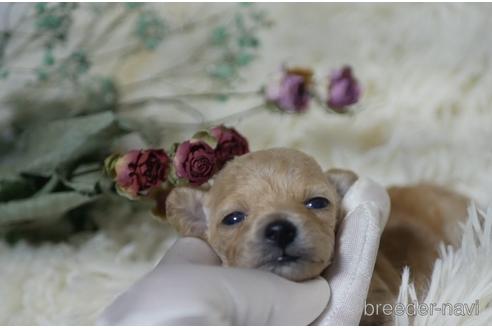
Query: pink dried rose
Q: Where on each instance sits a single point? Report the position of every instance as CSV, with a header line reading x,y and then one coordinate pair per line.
x,y
230,143
138,171
292,92
343,90
195,161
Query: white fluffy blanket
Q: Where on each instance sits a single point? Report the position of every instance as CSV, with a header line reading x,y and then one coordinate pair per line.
x,y
426,115
460,290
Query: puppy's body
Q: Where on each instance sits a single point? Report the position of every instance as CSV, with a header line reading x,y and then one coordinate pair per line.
x,y
421,217
277,210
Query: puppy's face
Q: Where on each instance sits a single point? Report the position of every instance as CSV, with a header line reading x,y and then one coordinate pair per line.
x,y
274,210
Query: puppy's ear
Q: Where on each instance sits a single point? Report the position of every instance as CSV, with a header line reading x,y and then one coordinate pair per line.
x,y
341,179
185,211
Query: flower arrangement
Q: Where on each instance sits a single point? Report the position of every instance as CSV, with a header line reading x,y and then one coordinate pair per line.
x,y
66,105
150,172
192,162
67,117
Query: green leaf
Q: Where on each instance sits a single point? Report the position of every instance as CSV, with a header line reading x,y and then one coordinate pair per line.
x,y
206,137
173,178
151,29
49,186
244,58
86,184
86,178
40,7
223,71
48,59
248,41
75,66
49,206
15,188
219,35
47,147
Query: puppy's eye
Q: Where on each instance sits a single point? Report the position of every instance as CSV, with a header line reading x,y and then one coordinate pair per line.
x,y
233,218
317,203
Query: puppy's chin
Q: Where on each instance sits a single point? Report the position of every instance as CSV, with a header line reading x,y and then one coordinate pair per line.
x,y
296,270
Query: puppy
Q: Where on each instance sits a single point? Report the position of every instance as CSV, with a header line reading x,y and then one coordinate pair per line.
x,y
276,210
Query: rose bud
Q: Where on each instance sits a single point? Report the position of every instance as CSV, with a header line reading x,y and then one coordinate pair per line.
x,y
195,161
292,92
229,144
136,172
343,90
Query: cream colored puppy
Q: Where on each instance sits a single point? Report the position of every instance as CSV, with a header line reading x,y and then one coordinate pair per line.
x,y
274,210
277,210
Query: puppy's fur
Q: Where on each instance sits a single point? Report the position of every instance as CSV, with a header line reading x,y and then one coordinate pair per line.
x,y
274,185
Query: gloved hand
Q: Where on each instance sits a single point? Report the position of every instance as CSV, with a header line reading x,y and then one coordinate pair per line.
x,y
367,207
190,287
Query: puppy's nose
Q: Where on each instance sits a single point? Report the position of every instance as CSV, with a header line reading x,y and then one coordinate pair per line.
x,y
281,232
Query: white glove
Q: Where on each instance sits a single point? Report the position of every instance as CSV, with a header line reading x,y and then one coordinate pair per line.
x,y
190,287
367,205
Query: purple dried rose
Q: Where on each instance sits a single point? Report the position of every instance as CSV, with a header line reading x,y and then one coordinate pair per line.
x,y
292,92
195,161
343,90
229,144
136,172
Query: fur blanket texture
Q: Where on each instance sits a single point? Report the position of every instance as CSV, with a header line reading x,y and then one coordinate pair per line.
x,y
425,115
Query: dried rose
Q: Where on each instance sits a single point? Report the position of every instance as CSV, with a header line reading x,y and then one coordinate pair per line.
x,y
344,89
136,172
229,144
195,161
292,92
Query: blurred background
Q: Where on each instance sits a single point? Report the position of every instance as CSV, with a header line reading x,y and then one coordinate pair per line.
x,y
79,81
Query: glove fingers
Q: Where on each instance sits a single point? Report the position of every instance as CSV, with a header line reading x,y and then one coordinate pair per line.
x,y
263,298
190,250
351,272
301,303
365,190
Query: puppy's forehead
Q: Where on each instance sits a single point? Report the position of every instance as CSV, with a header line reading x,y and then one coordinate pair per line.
x,y
276,171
